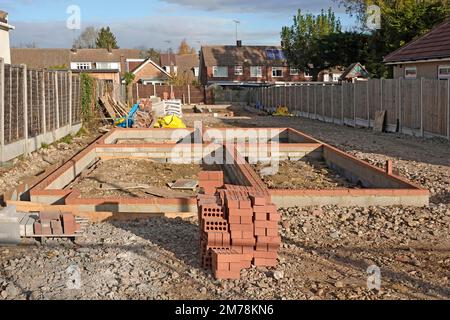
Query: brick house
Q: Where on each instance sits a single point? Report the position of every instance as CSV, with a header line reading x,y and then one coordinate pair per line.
x,y
186,65
246,65
426,57
5,53
109,65
149,72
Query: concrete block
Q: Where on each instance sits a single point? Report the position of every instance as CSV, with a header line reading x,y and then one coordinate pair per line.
x,y
9,231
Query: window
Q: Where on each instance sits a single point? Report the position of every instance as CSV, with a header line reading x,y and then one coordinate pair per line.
x,y
256,72
444,72
410,73
196,70
84,66
295,72
238,71
220,72
307,74
277,72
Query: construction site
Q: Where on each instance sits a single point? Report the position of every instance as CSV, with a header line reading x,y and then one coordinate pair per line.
x,y
171,201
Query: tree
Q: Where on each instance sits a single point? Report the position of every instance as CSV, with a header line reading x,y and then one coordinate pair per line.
x,y
185,48
301,41
149,53
106,39
401,22
87,39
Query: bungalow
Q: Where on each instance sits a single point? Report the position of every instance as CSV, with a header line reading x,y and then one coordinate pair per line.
x,y
4,37
185,65
355,72
246,65
149,72
426,57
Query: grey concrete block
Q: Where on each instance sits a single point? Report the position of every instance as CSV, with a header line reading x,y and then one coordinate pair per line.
x,y
9,231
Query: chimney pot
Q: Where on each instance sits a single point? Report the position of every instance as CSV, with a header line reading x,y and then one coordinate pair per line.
x,y
239,43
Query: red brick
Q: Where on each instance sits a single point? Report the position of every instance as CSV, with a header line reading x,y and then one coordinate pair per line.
x,y
215,225
257,200
273,247
266,224
211,211
262,247
227,275
272,232
260,209
260,216
240,212
266,255
261,232
246,264
56,227
232,204
236,266
245,204
38,228
236,234
268,240
226,256
260,262
242,227
69,225
246,220
275,217
244,242
50,215
203,176
216,176
248,234
224,266
271,208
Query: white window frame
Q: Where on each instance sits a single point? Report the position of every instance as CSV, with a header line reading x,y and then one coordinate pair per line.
x,y
294,71
238,70
216,73
274,69
84,66
443,76
196,71
410,69
256,72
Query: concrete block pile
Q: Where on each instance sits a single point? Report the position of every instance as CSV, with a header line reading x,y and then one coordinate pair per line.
x,y
239,228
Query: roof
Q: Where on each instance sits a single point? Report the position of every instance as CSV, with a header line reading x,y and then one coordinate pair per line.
x,y
355,70
103,55
234,55
40,58
433,45
3,16
187,62
168,59
37,58
135,71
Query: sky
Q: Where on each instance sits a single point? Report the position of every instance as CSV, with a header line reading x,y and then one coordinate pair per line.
x,y
160,24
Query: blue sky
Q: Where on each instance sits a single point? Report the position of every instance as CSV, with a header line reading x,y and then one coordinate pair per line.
x,y
160,23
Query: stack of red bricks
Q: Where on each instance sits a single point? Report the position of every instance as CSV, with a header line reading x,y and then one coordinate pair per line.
x,y
56,224
239,228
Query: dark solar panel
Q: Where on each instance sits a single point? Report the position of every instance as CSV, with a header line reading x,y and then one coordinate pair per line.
x,y
275,54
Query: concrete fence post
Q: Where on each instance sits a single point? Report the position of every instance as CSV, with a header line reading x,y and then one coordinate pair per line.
x,y
69,74
400,105
368,103
332,102
154,90
342,104
323,104
422,129
315,102
189,94
448,109
2,108
381,94
25,107
308,103
354,104
57,99
43,109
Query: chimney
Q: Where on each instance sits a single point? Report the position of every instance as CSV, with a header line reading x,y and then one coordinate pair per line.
x,y
239,43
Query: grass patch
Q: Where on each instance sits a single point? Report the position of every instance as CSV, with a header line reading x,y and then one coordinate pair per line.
x,y
67,139
45,146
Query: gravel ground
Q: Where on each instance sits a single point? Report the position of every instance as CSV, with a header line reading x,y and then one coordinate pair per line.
x,y
325,255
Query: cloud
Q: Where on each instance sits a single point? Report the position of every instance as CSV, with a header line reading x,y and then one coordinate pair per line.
x,y
151,31
253,6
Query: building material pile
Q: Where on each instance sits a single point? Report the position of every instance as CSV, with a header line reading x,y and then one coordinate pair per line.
x,y
15,226
239,227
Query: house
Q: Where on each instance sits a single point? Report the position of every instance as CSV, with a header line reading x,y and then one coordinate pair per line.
x,y
149,72
331,75
186,65
109,65
355,72
246,65
5,27
426,57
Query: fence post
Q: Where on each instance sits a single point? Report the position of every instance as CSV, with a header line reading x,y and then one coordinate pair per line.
x,y
25,108
368,103
400,106
332,103
2,108
57,99
448,109
189,94
69,74
154,90
137,92
422,130
342,103
354,104
44,117
381,94
315,102
308,100
323,104
171,91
